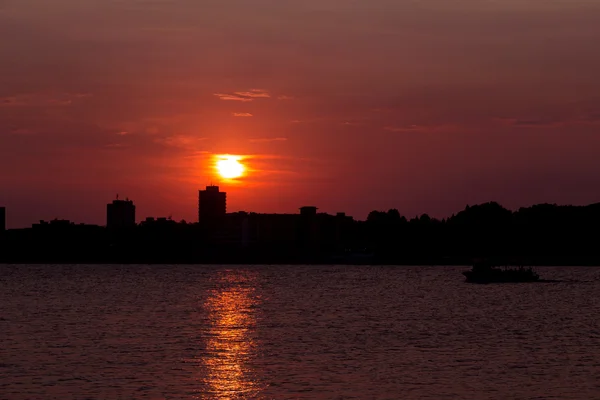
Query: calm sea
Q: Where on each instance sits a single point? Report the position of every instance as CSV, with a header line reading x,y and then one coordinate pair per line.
x,y
295,332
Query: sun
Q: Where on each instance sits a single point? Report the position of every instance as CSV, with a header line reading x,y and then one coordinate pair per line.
x,y
229,167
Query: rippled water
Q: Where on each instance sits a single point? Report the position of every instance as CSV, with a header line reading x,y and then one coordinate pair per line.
x,y
281,332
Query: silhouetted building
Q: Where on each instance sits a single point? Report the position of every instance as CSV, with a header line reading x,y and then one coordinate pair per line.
x,y
281,232
309,226
343,228
235,229
55,224
308,211
120,214
157,222
212,205
2,219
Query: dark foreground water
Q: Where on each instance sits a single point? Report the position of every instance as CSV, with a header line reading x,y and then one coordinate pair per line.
x,y
290,332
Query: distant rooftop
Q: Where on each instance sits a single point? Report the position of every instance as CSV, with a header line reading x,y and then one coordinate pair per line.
x,y
122,201
117,201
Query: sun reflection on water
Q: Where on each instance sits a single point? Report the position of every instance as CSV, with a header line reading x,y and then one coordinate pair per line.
x,y
230,342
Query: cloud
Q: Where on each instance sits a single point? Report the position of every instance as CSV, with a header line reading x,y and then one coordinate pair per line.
x,y
533,123
285,97
528,122
231,97
12,101
60,102
306,121
264,140
22,131
41,99
410,128
242,114
198,154
254,93
245,96
418,128
185,141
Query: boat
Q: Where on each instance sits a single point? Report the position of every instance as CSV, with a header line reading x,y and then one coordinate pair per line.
x,y
484,272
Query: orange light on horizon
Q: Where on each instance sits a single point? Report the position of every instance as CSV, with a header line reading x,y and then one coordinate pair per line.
x,y
229,166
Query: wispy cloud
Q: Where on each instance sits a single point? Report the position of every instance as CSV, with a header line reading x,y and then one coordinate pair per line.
x,y
14,101
539,122
231,97
244,96
263,140
242,114
284,97
198,154
410,128
185,141
528,122
306,121
21,131
40,99
414,128
254,93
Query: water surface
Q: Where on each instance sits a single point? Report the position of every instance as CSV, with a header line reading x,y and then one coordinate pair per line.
x,y
301,332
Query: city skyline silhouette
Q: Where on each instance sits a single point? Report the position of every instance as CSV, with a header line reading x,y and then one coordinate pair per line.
x,y
543,233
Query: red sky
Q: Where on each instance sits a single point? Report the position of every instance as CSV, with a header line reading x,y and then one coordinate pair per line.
x,y
348,105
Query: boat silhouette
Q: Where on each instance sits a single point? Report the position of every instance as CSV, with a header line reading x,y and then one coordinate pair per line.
x,y
485,272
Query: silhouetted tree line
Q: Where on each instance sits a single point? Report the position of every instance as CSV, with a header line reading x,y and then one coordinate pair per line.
x,y
541,234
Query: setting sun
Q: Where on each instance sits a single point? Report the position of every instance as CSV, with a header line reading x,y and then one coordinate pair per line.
x,y
229,167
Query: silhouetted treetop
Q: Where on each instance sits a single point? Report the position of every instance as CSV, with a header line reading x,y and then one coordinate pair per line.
x,y
490,213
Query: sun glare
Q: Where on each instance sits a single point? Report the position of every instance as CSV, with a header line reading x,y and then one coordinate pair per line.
x,y
229,167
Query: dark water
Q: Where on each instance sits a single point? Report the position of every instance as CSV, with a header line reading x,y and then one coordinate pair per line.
x,y
283,332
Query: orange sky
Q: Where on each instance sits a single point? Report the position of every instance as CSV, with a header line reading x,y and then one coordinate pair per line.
x,y
348,105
